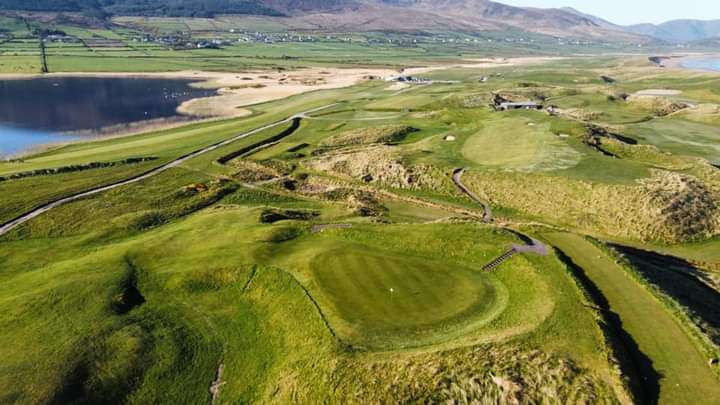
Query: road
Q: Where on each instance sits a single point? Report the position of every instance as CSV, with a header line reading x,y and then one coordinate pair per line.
x,y
9,226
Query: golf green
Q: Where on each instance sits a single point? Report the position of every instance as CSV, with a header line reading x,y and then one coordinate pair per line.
x,y
403,299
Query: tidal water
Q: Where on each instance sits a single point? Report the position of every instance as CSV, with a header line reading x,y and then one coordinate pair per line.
x,y
14,141
702,64
35,111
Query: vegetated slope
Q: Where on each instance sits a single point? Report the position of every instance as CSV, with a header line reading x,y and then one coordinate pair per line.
x,y
190,8
678,280
679,30
667,207
362,15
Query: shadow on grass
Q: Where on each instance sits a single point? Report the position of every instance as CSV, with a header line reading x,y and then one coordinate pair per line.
x,y
681,280
644,379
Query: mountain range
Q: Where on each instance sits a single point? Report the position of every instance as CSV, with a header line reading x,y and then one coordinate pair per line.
x,y
395,15
679,30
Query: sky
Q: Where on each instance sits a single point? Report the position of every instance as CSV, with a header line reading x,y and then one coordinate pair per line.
x,y
628,12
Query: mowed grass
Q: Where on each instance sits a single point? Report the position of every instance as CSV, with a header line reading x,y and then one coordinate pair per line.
x,y
204,306
385,296
684,376
440,296
521,142
279,313
680,137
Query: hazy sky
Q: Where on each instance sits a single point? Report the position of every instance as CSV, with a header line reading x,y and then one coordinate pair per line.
x,y
634,11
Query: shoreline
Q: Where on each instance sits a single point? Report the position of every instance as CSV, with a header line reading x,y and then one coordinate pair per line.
x,y
678,61
239,90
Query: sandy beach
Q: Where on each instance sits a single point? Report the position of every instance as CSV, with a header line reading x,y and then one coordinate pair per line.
x,y
238,91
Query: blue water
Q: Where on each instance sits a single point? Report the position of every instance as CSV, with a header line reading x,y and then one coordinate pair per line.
x,y
702,64
13,140
45,107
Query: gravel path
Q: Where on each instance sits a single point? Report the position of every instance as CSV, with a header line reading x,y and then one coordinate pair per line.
x,y
457,174
533,246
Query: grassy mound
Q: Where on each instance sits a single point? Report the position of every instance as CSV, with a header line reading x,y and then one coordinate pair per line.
x,y
488,374
660,106
252,172
667,207
679,207
381,164
703,113
383,134
389,298
647,154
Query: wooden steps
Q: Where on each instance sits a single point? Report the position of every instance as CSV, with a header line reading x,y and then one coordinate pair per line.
x,y
499,260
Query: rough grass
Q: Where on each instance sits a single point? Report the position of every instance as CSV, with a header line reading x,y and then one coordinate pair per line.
x,y
484,374
380,164
668,207
383,134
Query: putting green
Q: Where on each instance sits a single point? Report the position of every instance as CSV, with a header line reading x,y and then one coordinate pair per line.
x,y
519,143
385,300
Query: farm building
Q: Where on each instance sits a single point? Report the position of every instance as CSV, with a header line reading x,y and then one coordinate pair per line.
x,y
527,105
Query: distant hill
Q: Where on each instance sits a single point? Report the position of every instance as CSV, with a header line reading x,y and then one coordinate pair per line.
x,y
362,15
170,8
680,31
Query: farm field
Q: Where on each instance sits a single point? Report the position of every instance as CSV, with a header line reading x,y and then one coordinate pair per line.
x,y
325,247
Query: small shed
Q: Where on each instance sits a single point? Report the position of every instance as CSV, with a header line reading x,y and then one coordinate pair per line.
x,y
527,105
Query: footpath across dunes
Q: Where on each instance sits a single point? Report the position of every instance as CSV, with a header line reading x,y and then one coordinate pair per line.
x,y
664,350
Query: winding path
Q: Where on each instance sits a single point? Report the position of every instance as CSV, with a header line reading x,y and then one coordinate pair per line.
x,y
8,226
457,174
533,246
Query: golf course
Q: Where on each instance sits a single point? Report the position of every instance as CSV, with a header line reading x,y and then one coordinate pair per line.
x,y
535,227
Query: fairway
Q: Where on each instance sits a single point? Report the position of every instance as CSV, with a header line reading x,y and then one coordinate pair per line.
x,y
679,137
390,297
684,374
519,143
329,253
